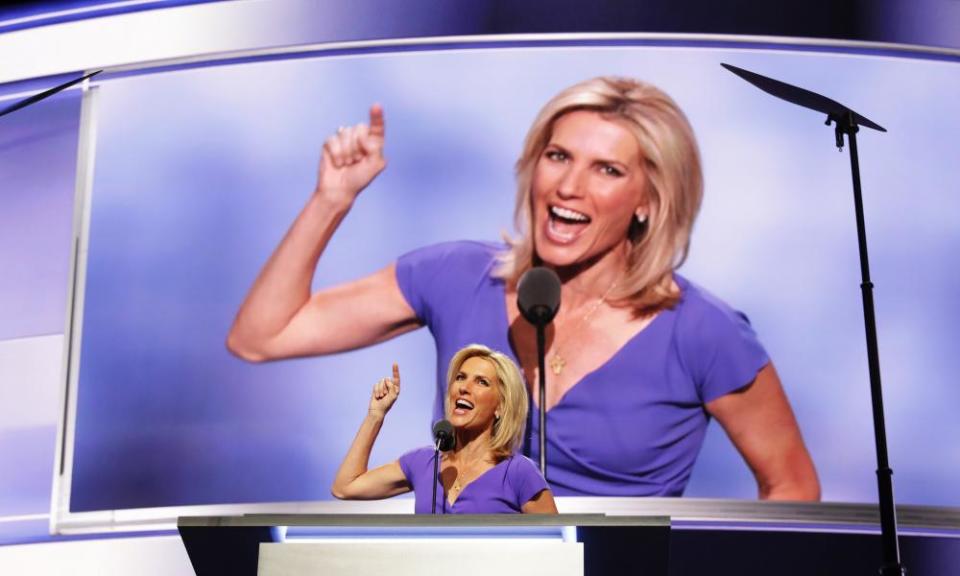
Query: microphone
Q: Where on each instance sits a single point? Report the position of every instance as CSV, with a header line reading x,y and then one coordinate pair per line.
x,y
443,435
443,440
538,295
538,298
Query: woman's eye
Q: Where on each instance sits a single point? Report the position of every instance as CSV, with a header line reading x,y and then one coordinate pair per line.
x,y
609,170
556,155
460,377
484,382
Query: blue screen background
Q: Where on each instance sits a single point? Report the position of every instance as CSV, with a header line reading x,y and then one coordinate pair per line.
x,y
199,172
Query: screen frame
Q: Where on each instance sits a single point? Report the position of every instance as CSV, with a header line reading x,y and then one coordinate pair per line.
x,y
62,521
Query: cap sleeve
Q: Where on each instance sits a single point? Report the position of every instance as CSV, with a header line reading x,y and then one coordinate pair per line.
x,y
433,279
411,462
718,346
525,479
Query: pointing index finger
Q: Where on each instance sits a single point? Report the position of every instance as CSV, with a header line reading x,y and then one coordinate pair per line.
x,y
396,374
378,127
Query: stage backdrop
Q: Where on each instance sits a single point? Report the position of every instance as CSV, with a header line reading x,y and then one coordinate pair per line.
x,y
199,172
38,155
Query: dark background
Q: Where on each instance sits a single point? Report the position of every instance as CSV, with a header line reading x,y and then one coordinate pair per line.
x,y
925,22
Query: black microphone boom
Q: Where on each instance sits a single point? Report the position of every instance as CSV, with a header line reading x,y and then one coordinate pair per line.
x,y
443,440
538,297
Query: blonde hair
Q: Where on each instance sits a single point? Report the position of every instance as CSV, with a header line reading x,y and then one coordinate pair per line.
x,y
508,429
674,186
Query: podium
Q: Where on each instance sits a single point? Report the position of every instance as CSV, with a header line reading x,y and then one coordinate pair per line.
x,y
256,544
593,537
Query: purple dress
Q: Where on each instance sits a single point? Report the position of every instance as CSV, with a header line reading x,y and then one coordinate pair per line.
x,y
633,426
503,489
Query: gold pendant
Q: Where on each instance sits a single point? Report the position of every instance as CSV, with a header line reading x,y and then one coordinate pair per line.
x,y
557,363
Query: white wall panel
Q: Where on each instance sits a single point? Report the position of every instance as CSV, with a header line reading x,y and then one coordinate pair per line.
x,y
30,384
159,555
30,377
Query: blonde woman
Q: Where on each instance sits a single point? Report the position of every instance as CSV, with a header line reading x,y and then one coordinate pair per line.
x,y
639,358
482,474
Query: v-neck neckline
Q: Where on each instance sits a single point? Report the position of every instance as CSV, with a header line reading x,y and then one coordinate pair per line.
x,y
471,483
505,319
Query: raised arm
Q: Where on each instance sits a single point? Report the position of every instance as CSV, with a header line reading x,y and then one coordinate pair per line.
x,y
761,425
279,317
353,480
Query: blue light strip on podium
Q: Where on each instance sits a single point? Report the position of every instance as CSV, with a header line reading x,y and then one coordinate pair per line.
x,y
315,533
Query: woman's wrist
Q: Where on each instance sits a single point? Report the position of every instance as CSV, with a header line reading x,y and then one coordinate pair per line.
x,y
376,416
330,200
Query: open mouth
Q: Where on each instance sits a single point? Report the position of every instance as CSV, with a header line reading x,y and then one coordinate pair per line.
x,y
462,406
565,225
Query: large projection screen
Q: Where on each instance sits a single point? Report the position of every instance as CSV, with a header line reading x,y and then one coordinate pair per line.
x,y
199,171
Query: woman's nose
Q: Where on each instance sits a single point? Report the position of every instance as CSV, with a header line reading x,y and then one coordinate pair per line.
x,y
571,182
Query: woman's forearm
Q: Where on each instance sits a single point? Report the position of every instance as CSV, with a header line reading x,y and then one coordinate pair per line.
x,y
355,463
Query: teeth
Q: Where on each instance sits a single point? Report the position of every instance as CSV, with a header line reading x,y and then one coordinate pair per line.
x,y
568,214
464,404
559,234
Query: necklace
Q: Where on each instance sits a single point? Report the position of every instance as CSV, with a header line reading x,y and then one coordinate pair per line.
x,y
457,487
557,361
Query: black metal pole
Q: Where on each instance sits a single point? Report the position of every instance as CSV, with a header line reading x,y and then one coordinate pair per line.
x,y
436,477
538,298
888,513
541,353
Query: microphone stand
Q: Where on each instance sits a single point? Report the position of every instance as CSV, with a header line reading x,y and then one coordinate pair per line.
x,y
541,362
436,475
847,122
538,298
443,437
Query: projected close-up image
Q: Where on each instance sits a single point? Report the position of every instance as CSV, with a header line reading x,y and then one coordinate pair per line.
x,y
192,195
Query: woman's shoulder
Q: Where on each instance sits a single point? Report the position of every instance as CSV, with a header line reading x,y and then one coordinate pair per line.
x,y
524,476
433,278
465,251
417,456
519,465
518,459
717,344
699,308
706,324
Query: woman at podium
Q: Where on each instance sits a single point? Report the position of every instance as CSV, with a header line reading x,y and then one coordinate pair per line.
x,y
639,358
482,473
